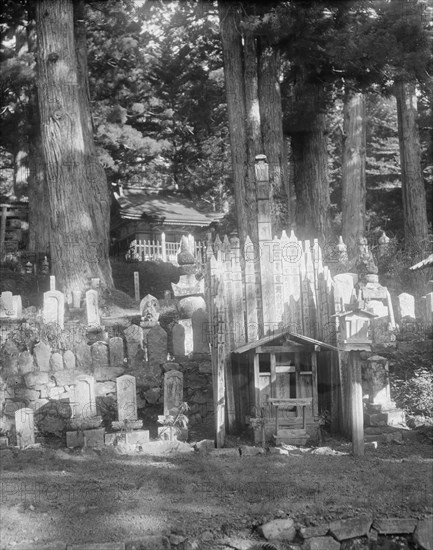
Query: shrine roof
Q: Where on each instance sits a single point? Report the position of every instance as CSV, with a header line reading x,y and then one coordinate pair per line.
x,y
137,203
278,334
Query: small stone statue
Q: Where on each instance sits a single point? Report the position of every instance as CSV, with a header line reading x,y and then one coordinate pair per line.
x,y
149,307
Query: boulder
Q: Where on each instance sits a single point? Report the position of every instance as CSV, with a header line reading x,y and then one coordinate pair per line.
x,y
279,529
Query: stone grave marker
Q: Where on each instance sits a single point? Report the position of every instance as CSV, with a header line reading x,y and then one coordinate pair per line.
x,y
54,308
134,340
200,332
69,360
42,355
7,305
149,308
92,308
24,425
126,398
84,397
178,339
17,305
188,341
406,306
173,390
99,352
116,351
377,378
156,348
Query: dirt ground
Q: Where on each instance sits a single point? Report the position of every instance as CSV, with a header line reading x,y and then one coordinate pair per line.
x,y
99,496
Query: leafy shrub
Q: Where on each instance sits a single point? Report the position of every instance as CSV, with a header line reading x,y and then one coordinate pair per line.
x,y
411,379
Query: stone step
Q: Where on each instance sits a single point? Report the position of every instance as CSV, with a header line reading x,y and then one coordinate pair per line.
x,y
291,437
392,417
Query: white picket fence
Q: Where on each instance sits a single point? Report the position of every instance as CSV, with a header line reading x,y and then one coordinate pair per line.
x,y
145,250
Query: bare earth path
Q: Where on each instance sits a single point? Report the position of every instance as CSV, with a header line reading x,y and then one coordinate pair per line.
x,y
103,496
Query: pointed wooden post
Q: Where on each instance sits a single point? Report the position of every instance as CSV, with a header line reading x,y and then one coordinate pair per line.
x,y
265,241
163,248
357,408
251,291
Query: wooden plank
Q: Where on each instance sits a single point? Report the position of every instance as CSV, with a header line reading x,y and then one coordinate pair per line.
x,y
280,349
250,292
3,226
306,401
273,376
219,385
357,414
314,382
256,384
238,293
312,297
278,281
298,370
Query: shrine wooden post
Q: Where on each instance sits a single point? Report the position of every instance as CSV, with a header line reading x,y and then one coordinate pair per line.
x,y
357,407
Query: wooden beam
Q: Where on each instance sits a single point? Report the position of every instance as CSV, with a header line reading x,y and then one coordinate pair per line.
x,y
298,373
3,226
357,408
273,376
280,349
302,402
314,383
256,384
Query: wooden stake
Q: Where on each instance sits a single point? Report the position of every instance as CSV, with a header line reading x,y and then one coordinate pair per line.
x,y
137,286
356,404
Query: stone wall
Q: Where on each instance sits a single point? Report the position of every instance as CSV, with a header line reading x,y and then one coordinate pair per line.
x,y
39,366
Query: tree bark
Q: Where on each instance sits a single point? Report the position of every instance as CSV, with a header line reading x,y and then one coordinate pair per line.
x,y
272,135
414,199
353,171
77,187
310,158
244,188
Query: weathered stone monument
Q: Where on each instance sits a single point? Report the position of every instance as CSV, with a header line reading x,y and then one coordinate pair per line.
x,y
54,308
134,341
173,391
200,332
380,410
149,308
116,351
178,340
92,308
24,425
156,349
406,307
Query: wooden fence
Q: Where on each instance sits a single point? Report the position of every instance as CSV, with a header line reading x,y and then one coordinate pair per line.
x,y
143,250
278,284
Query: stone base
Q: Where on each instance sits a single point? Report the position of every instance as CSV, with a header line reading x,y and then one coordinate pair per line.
x,y
4,442
393,417
74,439
94,438
139,437
128,426
85,423
112,440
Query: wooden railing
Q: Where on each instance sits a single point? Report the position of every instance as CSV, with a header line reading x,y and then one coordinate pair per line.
x,y
145,250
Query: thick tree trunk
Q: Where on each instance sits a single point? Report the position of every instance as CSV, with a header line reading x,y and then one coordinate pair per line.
x,y
244,189
310,158
39,222
353,171
77,187
272,136
253,120
414,201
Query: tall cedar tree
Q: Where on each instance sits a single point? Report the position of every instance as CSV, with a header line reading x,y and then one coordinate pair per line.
x,y
77,188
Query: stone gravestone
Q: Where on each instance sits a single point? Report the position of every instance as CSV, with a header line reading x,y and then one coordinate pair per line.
x,y
200,332
84,398
54,308
149,308
42,355
17,305
188,336
156,348
126,398
99,352
134,340
92,308
173,390
24,425
377,378
116,351
7,305
406,306
178,339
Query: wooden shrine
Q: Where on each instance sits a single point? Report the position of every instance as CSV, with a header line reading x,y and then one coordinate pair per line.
x,y
277,378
